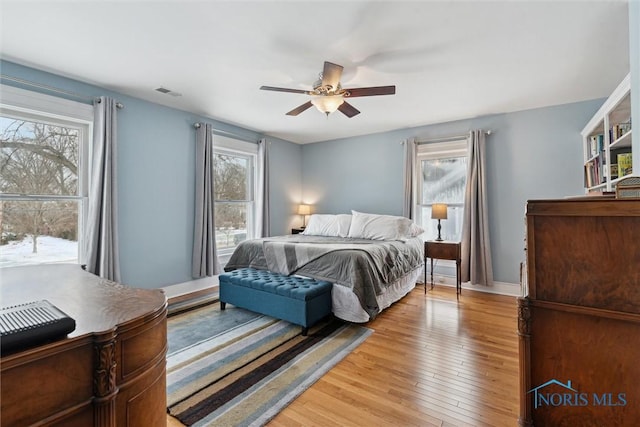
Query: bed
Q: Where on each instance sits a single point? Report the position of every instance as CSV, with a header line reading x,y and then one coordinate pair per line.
x,y
372,260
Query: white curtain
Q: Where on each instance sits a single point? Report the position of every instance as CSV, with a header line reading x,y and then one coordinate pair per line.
x,y
409,206
205,255
262,191
101,231
476,246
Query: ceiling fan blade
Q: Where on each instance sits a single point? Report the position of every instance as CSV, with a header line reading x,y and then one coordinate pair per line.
x,y
331,74
371,91
283,89
348,109
300,109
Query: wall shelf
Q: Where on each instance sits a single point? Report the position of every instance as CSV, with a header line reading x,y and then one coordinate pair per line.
x,y
608,143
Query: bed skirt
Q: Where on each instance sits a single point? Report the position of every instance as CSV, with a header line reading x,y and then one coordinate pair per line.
x,y
346,305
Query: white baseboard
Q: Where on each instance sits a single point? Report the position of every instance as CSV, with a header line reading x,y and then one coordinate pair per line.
x,y
502,288
194,287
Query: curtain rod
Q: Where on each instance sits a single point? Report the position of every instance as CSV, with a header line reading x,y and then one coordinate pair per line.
x,y
89,99
447,138
221,132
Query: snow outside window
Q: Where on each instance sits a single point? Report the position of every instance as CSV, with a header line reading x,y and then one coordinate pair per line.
x,y
43,174
235,183
442,178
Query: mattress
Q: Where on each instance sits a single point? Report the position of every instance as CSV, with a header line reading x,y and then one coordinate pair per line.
x,y
374,272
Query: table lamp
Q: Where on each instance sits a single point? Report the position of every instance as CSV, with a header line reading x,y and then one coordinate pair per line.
x,y
439,211
304,210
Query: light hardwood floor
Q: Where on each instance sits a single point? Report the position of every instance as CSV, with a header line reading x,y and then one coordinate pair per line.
x,y
432,361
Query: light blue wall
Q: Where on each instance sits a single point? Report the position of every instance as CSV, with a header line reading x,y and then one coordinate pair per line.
x,y
362,173
156,181
530,155
285,160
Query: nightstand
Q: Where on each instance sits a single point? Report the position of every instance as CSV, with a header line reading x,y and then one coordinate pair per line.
x,y
297,230
443,250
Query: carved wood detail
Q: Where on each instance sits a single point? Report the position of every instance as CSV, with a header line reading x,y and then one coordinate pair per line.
x,y
524,317
79,378
104,380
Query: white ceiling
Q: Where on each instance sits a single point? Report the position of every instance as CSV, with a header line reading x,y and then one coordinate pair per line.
x,y
449,60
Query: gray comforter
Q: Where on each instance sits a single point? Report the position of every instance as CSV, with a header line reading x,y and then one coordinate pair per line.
x,y
365,266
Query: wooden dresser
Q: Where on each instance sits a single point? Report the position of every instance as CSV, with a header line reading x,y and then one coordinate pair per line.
x,y
579,322
110,371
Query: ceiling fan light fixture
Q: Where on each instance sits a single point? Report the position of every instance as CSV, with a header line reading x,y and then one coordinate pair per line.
x,y
328,95
327,103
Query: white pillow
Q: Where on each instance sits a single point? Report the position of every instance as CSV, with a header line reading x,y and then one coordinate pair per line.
x,y
382,227
328,225
415,230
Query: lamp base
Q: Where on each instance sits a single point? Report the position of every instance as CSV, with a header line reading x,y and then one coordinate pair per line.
x,y
439,238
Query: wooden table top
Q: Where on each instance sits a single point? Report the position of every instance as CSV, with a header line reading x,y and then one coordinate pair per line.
x,y
96,304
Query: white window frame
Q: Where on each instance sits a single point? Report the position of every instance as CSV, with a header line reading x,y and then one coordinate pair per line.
x,y
236,147
25,104
434,151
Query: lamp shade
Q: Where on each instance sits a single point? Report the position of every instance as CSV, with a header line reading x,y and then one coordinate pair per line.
x,y
327,103
439,211
304,210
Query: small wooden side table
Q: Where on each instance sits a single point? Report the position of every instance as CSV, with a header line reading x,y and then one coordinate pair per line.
x,y
443,250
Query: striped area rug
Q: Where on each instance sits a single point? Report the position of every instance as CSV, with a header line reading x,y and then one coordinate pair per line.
x,y
247,373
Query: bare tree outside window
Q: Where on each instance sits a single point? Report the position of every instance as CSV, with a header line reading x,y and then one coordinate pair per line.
x,y
232,198
441,176
443,180
39,181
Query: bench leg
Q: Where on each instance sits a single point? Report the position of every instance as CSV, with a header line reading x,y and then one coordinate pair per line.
x,y
223,305
305,331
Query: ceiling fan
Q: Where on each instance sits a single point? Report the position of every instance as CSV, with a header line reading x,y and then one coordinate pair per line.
x,y
328,95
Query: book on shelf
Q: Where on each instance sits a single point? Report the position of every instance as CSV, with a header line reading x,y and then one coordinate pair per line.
x,y
599,171
619,130
625,166
593,174
624,127
613,170
588,175
596,145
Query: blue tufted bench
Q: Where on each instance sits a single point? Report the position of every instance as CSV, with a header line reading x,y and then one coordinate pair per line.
x,y
299,300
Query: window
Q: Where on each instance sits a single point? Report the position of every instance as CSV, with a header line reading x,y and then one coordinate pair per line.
x,y
235,181
442,178
42,177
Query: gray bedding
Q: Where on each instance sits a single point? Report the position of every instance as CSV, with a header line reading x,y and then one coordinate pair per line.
x,y
364,266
